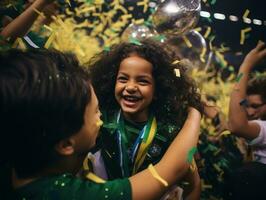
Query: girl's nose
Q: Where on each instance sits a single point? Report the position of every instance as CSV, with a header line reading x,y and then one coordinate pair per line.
x,y
131,87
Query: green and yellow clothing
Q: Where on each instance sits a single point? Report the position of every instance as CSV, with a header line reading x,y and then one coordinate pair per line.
x,y
66,186
111,151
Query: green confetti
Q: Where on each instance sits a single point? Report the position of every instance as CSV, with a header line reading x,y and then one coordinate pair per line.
x,y
231,68
148,23
134,41
213,2
106,48
238,78
191,154
159,38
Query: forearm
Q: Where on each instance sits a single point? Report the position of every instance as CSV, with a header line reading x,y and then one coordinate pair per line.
x,y
20,25
172,166
237,114
174,163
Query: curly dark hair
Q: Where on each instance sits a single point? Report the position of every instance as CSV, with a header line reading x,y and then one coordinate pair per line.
x,y
173,94
43,96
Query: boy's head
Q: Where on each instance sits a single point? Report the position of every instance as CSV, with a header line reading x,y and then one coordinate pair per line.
x,y
45,100
256,96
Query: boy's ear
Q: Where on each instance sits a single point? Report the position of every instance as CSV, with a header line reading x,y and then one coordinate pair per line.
x,y
65,147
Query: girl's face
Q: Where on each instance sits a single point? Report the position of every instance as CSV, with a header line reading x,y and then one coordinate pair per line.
x,y
134,89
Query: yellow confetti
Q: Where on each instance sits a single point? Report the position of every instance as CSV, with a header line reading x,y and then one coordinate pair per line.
x,y
221,57
144,3
246,14
99,123
177,72
202,55
48,28
19,43
175,62
139,21
186,40
39,13
243,34
207,33
50,40
198,29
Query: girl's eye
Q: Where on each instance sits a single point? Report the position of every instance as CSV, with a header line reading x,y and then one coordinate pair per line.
x,y
143,82
121,79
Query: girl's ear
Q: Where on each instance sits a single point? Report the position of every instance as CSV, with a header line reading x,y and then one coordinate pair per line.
x,y
65,147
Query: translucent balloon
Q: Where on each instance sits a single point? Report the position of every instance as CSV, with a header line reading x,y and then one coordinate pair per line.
x,y
176,17
190,46
138,32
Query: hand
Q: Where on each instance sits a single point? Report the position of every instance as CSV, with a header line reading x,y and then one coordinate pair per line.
x,y
255,56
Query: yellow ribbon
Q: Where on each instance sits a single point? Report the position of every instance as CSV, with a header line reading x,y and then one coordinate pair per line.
x,y
144,146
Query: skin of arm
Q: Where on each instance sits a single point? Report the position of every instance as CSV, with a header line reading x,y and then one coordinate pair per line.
x,y
21,24
238,122
173,166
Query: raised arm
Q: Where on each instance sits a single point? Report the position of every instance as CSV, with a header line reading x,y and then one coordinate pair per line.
x,y
21,24
238,121
172,166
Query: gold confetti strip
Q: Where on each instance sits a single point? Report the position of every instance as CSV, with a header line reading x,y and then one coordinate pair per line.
x,y
175,62
50,40
246,14
177,73
48,27
19,43
86,10
39,13
186,40
198,29
144,3
138,22
210,43
223,48
221,57
202,55
243,34
119,7
207,33
68,2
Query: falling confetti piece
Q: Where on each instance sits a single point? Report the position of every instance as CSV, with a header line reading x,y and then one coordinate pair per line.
x,y
186,40
191,153
243,34
177,72
238,78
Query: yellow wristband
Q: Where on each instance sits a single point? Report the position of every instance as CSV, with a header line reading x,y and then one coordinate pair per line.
x,y
156,175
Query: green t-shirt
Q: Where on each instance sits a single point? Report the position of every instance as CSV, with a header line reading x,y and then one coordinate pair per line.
x,y
111,152
66,186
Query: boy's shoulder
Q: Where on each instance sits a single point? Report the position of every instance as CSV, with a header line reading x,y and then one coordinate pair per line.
x,y
66,186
